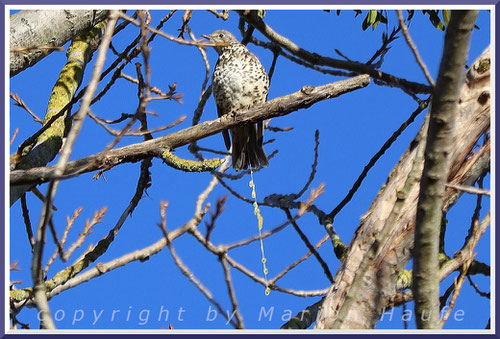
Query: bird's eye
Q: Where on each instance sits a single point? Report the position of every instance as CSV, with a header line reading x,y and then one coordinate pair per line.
x,y
221,35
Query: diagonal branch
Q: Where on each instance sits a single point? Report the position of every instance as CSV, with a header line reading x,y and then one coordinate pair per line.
x,y
379,287
303,98
253,18
413,48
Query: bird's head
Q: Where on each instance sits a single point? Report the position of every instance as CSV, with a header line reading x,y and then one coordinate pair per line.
x,y
221,39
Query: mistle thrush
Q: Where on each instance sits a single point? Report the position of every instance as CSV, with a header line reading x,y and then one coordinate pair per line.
x,y
239,82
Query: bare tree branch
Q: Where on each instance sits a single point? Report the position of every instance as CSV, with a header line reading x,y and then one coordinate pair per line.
x,y
253,18
304,98
413,48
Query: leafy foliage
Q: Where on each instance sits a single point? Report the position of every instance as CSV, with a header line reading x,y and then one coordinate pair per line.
x,y
374,17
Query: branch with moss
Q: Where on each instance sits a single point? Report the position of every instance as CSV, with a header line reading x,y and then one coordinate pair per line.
x,y
49,142
186,165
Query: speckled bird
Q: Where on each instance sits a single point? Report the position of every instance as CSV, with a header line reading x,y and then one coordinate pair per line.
x,y
239,82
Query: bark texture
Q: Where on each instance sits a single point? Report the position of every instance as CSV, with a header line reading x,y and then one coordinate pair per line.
x,y
436,165
36,28
379,283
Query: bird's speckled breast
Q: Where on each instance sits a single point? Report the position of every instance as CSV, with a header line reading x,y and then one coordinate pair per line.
x,y
239,80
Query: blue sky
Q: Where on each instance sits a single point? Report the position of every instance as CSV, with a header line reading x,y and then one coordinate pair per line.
x,y
352,128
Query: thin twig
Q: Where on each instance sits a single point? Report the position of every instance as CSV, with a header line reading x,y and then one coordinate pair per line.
x,y
159,129
14,136
297,262
414,49
474,286
309,246
153,88
313,166
219,208
21,104
96,219
169,37
53,231
274,47
41,197
463,274
375,158
257,237
27,222
386,40
444,298
69,224
470,189
230,291
224,15
184,269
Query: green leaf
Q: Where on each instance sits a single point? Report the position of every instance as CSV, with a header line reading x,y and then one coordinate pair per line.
x,y
433,17
446,17
365,23
377,21
372,16
369,19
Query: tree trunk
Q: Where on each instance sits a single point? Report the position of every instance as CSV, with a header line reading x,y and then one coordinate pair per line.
x,y
360,306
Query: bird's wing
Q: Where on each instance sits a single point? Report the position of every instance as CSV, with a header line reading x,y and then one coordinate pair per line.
x,y
225,133
260,133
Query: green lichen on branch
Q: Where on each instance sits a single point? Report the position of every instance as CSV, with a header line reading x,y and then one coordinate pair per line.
x,y
339,247
79,54
190,165
484,66
41,148
66,274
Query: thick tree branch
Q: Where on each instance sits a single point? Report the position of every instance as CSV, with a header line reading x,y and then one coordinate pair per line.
x,y
436,167
379,283
304,98
47,144
32,28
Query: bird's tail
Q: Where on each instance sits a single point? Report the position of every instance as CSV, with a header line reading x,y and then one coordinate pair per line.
x,y
247,148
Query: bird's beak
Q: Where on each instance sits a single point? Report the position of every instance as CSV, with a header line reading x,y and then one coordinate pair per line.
x,y
206,36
